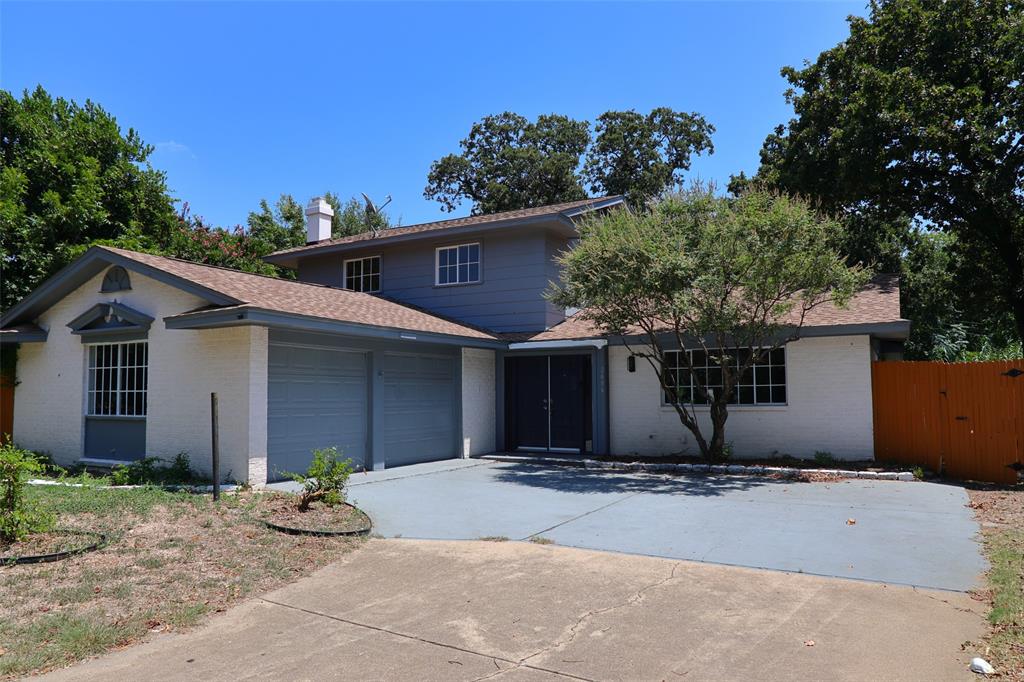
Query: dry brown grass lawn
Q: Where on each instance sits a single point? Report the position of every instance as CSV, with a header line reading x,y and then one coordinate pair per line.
x,y
172,559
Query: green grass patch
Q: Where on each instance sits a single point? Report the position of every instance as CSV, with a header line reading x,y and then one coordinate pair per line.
x,y
106,502
1006,580
55,638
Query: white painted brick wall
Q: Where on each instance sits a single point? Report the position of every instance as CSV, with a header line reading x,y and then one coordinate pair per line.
x,y
477,401
183,370
184,367
829,407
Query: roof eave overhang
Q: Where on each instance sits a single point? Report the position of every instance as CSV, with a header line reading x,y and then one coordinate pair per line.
x,y
896,330
559,344
32,336
91,263
290,259
596,206
209,319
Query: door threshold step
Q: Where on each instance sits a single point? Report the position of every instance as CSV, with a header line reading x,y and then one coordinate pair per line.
x,y
540,458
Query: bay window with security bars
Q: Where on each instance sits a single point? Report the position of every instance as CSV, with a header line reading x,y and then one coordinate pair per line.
x,y
118,378
763,383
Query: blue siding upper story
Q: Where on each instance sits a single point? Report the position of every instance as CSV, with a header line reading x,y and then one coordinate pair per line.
x,y
516,268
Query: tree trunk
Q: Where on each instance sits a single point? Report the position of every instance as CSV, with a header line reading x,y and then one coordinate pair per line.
x,y
1017,306
717,448
1010,253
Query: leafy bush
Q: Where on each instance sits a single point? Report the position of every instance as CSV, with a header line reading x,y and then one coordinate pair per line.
x,y
324,480
155,471
18,517
824,458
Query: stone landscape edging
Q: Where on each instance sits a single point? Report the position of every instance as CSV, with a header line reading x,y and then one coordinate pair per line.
x,y
729,469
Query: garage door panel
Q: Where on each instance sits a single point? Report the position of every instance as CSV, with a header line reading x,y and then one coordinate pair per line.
x,y
419,408
317,398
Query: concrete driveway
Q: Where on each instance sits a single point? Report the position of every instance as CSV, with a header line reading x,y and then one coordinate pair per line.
x,y
416,610
919,534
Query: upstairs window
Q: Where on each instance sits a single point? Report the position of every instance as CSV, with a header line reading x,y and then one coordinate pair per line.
x,y
363,274
118,379
458,264
762,384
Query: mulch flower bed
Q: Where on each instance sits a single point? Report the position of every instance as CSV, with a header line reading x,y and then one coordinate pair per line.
x,y
283,513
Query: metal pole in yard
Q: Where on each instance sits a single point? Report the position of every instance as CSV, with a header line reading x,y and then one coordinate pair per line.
x,y
216,449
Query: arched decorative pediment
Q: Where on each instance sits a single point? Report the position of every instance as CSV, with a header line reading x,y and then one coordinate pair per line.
x,y
111,321
116,279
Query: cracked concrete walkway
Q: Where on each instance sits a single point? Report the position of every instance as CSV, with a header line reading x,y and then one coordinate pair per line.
x,y
435,610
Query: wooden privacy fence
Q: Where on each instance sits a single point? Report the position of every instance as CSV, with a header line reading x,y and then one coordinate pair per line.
x,y
964,420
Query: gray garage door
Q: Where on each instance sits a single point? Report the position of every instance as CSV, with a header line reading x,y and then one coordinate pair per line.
x,y
419,408
317,398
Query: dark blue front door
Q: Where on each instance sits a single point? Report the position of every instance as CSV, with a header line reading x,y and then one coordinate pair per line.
x,y
549,402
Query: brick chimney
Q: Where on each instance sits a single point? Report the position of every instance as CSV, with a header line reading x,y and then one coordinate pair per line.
x,y
318,220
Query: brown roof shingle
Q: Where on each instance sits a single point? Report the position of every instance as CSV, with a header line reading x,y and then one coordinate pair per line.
x,y
519,214
876,303
300,298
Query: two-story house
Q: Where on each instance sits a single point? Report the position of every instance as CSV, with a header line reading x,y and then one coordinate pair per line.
x,y
413,344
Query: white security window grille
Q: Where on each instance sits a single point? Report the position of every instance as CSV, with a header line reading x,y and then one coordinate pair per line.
x,y
458,264
762,384
118,379
363,274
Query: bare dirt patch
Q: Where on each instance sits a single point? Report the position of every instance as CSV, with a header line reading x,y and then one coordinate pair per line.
x,y
172,558
1000,511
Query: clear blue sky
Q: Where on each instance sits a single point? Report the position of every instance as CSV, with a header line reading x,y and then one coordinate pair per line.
x,y
250,100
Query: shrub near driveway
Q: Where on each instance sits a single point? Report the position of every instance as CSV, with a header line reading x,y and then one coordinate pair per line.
x,y
173,557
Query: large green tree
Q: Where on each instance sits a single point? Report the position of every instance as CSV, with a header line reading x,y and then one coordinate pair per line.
x,y
920,113
509,162
641,156
69,176
730,278
280,227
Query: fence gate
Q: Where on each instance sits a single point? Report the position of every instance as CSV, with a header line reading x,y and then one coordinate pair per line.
x,y
964,419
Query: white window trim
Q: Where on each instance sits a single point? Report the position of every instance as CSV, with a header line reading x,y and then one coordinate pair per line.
x,y
479,264
89,394
344,272
745,407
